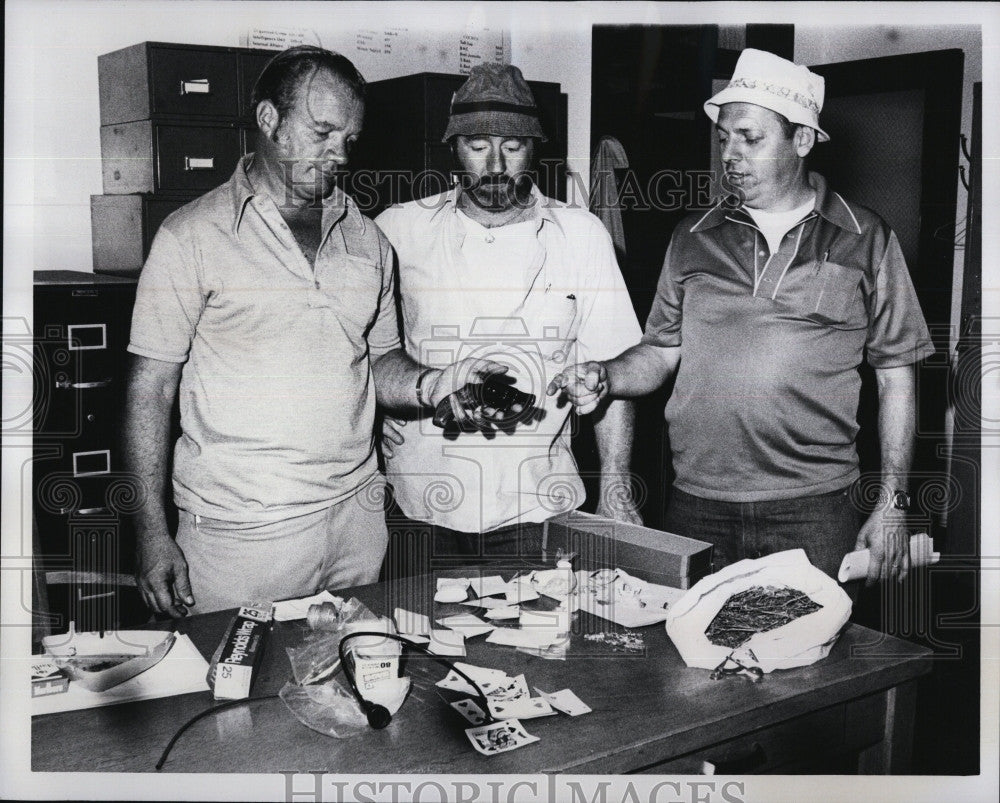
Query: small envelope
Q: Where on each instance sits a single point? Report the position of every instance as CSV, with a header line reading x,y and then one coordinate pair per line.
x,y
411,624
485,602
466,623
515,637
447,642
565,701
505,612
488,586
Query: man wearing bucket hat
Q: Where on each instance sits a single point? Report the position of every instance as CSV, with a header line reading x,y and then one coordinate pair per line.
x,y
766,307
493,268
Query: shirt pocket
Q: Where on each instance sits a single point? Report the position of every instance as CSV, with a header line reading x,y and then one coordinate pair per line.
x,y
559,323
835,296
351,288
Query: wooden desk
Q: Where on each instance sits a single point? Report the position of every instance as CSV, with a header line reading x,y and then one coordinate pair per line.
x,y
851,712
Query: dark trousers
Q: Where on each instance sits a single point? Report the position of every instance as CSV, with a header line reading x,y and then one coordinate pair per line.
x,y
418,547
825,526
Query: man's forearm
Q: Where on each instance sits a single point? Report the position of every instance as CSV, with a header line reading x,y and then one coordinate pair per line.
x,y
151,393
614,430
641,369
396,375
896,424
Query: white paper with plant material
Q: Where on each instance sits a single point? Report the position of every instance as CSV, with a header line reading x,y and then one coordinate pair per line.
x,y
800,642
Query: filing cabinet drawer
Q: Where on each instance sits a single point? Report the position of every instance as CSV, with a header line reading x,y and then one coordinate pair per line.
x,y
156,80
193,83
147,156
123,227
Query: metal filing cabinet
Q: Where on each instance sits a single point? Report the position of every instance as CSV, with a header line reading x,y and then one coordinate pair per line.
x,y
175,119
81,493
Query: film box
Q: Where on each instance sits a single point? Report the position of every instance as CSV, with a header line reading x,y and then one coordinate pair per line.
x,y
238,656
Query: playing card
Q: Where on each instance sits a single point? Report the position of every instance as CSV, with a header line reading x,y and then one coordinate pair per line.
x,y
499,737
480,673
466,623
524,708
447,642
565,701
505,612
409,623
506,690
469,710
456,682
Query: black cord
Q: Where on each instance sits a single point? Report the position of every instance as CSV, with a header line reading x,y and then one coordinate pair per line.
x,y
196,717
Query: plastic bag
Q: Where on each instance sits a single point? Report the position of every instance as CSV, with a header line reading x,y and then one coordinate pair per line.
x,y
325,707
800,642
318,657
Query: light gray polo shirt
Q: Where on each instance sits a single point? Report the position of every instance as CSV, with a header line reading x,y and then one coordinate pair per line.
x,y
277,397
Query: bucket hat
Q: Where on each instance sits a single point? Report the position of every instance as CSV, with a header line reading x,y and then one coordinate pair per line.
x,y
495,100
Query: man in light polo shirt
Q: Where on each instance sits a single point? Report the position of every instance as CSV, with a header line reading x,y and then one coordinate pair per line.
x,y
765,309
268,304
496,269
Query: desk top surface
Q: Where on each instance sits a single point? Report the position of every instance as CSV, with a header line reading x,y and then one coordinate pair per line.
x,y
646,708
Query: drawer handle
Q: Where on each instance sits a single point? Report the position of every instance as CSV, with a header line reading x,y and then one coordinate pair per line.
x,y
737,766
64,384
196,86
92,511
199,163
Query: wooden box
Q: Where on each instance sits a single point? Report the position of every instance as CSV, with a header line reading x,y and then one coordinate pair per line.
x,y
652,555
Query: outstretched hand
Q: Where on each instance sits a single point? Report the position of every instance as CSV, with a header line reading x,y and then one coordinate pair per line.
x,y
584,384
452,383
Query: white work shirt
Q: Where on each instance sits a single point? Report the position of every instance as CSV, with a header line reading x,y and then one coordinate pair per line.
x,y
538,296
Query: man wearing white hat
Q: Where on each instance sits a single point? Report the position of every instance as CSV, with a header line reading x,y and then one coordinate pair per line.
x,y
766,307
494,269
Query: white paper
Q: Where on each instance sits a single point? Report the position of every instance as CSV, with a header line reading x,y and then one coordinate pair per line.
x,y
504,612
515,637
288,610
466,623
447,643
486,603
409,623
181,671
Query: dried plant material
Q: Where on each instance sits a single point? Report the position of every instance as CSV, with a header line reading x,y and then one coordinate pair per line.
x,y
627,641
757,610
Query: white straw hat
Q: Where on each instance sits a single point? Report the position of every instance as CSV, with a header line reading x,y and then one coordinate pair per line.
x,y
767,80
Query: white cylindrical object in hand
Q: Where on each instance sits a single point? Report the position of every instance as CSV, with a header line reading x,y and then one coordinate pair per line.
x,y
855,564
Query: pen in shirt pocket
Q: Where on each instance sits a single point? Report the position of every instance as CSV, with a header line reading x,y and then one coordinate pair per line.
x,y
821,263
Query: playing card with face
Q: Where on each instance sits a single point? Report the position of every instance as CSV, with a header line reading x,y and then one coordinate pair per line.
x,y
507,690
499,737
469,710
565,701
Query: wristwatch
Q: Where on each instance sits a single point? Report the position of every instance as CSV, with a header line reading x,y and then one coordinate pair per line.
x,y
900,500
